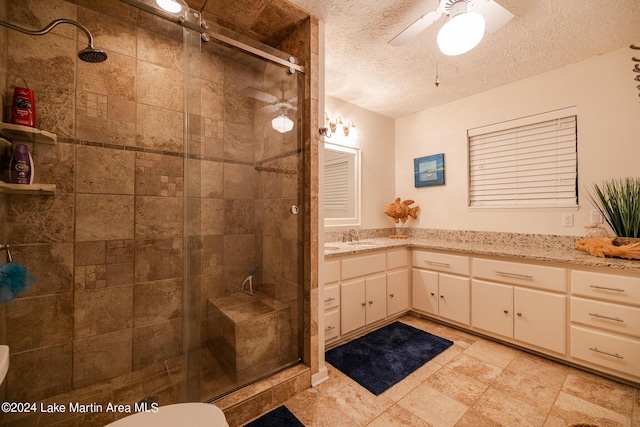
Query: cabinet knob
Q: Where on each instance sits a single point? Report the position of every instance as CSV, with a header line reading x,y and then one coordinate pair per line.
x,y
441,296
506,311
519,314
364,304
432,294
370,302
391,295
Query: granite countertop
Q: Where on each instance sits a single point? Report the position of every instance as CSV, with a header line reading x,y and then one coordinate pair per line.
x,y
533,251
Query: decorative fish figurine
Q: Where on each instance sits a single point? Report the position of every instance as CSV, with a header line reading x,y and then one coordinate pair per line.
x,y
400,211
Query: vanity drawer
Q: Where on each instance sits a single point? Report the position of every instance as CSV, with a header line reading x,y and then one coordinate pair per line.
x,y
537,276
608,350
331,324
604,315
363,265
441,262
331,271
331,296
609,287
397,259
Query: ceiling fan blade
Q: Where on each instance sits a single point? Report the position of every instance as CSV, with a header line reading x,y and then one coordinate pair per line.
x,y
252,92
268,109
276,107
495,16
416,28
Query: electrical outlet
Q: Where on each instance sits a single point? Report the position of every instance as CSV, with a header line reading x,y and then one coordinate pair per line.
x,y
596,217
567,220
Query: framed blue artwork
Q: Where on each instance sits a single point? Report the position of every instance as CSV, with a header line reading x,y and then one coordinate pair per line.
x,y
429,170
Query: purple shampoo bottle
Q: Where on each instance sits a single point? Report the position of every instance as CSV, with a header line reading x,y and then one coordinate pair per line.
x,y
21,165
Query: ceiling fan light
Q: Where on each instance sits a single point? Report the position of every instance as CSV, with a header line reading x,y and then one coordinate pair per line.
x,y
461,33
282,123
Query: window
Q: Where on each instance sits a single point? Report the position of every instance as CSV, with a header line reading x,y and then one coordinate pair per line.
x,y
525,163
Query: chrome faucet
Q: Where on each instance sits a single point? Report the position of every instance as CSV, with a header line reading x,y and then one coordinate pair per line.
x,y
354,235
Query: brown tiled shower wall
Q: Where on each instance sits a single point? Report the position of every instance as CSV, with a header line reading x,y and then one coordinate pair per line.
x,y
105,317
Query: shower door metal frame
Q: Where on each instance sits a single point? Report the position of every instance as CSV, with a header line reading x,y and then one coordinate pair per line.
x,y
206,32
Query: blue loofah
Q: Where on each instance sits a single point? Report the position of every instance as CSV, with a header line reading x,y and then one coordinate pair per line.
x,y
14,278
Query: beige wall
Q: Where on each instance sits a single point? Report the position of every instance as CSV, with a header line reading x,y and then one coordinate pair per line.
x,y
603,90
374,136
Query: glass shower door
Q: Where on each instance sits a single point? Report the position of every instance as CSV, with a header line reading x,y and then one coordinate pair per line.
x,y
243,189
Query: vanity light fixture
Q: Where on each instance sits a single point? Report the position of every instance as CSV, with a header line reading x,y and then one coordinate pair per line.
x,y
462,32
334,125
331,126
282,123
347,127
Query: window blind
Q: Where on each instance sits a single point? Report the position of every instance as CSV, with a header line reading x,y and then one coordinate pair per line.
x,y
531,162
336,184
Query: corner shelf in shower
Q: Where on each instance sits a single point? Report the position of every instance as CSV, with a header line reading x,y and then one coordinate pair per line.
x,y
26,134
32,189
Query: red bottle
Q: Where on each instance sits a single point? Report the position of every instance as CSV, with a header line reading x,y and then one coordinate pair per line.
x,y
23,111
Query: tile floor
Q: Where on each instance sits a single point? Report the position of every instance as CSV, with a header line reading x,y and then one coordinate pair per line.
x,y
476,382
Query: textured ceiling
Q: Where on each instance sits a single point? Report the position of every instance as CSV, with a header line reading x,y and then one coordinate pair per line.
x,y
362,69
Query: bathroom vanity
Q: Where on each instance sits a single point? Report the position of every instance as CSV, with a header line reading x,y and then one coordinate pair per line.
x,y
363,290
556,302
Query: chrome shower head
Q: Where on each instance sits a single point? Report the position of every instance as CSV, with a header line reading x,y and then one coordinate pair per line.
x,y
90,54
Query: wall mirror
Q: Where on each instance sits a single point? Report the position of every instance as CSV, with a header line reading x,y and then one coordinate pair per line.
x,y
341,185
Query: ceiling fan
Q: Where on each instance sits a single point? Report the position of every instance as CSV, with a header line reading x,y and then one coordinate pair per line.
x,y
282,123
273,103
468,20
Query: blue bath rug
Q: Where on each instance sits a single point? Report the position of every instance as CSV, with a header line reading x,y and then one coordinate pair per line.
x,y
384,357
279,417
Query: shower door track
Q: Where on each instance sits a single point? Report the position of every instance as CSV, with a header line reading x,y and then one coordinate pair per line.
x,y
289,63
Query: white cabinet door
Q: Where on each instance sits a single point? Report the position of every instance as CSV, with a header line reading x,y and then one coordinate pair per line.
x,y
517,273
492,307
332,324
453,298
352,306
540,319
425,291
611,351
617,318
331,296
376,296
397,291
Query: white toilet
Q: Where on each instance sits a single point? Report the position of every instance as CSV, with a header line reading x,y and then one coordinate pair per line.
x,y
179,414
4,362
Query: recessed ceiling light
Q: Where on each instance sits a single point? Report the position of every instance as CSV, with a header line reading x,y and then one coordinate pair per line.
x,y
169,5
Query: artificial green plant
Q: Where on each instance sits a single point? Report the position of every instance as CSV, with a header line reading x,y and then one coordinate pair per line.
x,y
618,201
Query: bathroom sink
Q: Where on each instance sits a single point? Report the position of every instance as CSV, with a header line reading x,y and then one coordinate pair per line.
x,y
362,244
4,362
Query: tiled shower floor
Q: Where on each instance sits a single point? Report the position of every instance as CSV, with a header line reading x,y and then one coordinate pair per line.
x,y
476,382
